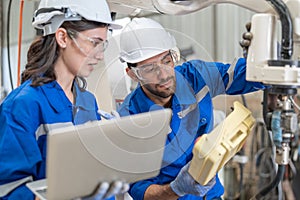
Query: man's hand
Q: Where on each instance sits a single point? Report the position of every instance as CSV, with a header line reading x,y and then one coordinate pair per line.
x,y
185,184
106,190
246,41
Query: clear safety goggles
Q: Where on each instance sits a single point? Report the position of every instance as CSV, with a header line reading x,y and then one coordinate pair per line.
x,y
91,46
151,70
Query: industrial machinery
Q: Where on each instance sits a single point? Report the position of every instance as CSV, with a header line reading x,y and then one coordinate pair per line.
x,y
272,61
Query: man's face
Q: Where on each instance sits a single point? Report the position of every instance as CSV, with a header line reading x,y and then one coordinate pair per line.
x,y
157,75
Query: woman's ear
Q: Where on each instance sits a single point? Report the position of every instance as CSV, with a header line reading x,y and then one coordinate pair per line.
x,y
61,37
131,74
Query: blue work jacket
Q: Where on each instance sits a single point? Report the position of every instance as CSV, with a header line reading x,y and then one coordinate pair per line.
x,y
24,115
197,82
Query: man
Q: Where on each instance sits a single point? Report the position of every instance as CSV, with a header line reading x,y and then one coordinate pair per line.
x,y
150,53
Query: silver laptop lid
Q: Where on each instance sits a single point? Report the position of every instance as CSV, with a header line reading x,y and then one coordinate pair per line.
x,y
129,149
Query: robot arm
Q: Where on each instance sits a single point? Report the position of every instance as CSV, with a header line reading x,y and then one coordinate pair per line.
x,y
180,7
260,67
264,32
187,6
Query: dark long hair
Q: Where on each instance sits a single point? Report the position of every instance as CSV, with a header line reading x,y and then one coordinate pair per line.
x,y
44,52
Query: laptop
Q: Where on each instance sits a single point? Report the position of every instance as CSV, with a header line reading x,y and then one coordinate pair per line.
x,y
80,157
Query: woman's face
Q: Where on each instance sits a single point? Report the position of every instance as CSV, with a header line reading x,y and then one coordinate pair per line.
x,y
84,50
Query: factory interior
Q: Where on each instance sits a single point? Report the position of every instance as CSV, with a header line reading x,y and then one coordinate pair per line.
x,y
266,165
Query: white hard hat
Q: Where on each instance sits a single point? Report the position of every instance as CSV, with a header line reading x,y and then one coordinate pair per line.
x,y
52,13
143,38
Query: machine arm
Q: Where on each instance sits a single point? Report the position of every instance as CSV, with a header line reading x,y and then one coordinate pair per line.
x,y
181,7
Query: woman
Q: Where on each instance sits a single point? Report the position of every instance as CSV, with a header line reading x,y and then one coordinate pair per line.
x,y
53,88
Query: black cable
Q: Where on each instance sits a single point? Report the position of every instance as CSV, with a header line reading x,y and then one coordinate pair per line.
x,y
244,100
286,28
272,185
241,165
8,46
265,105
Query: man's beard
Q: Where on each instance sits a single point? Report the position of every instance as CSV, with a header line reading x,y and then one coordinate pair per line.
x,y
157,91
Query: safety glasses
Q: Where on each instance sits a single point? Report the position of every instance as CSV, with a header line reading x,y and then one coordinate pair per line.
x,y
89,47
151,70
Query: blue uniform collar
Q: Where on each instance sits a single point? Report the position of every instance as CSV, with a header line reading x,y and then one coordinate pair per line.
x,y
84,99
184,93
58,100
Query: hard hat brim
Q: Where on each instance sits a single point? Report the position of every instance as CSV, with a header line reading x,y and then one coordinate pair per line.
x,y
114,25
142,55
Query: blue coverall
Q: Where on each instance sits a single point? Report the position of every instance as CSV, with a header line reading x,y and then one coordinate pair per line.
x,y
24,115
197,82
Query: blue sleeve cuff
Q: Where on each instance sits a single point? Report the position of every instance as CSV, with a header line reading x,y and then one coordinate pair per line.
x,y
138,189
21,192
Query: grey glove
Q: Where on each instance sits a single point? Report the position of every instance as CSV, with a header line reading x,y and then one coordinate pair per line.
x,y
185,184
246,41
106,190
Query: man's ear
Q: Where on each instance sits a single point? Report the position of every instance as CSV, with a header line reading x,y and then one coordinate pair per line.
x,y
61,37
131,74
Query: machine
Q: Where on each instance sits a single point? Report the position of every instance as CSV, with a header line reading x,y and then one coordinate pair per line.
x,y
270,60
